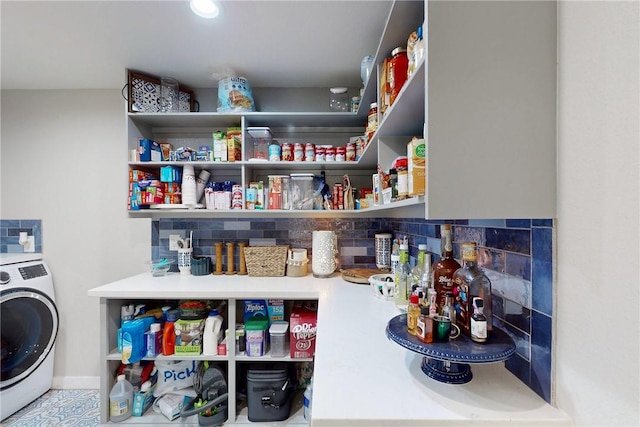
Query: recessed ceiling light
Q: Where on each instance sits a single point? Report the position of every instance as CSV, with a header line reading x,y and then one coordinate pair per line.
x,y
205,8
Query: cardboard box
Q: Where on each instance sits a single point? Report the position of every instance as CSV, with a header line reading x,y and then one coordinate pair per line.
x,y
253,308
143,401
302,331
416,162
150,151
275,307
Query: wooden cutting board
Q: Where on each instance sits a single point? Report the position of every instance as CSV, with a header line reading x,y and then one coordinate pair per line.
x,y
360,275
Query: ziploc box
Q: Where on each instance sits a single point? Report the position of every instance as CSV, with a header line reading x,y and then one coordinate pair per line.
x,y
302,331
275,307
150,151
255,307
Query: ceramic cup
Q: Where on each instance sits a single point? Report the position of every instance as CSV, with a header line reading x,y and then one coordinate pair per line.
x,y
383,250
444,330
184,260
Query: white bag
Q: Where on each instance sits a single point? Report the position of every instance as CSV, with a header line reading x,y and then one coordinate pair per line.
x,y
174,375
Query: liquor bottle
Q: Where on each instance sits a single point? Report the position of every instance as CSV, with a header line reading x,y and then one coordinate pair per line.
x,y
479,331
470,282
402,282
413,312
424,327
447,309
444,268
422,265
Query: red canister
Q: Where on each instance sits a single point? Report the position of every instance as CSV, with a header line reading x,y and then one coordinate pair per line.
x,y
397,72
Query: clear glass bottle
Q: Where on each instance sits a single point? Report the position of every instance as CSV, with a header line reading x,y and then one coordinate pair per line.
x,y
447,309
444,268
402,283
479,331
470,281
422,265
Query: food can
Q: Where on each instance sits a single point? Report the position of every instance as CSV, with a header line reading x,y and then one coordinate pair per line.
x,y
350,152
320,151
310,152
360,145
372,119
355,104
287,152
298,152
274,152
330,154
338,197
341,154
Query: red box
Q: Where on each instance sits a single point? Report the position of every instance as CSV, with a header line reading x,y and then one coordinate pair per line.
x,y
302,330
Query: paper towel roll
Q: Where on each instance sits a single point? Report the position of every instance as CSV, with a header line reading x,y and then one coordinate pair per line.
x,y
201,183
189,186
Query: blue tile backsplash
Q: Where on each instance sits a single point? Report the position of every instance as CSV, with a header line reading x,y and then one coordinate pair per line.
x,y
10,230
517,255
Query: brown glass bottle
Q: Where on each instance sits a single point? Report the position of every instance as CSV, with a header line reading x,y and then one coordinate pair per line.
x,y
444,268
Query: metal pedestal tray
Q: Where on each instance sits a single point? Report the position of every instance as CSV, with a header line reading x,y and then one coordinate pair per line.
x,y
448,362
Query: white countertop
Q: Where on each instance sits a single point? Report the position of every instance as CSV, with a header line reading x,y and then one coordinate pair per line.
x,y
360,377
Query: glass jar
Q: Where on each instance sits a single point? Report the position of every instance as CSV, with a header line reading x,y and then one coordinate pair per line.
x,y
372,120
339,101
397,72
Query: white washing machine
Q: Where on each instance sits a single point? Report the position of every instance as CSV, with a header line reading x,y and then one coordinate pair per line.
x,y
29,320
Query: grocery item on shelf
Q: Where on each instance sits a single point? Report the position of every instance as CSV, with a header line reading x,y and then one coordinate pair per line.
x,y
235,95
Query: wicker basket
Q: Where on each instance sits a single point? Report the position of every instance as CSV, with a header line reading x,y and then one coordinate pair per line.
x,y
265,261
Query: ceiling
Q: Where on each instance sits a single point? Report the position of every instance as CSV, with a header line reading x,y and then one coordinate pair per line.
x,y
89,44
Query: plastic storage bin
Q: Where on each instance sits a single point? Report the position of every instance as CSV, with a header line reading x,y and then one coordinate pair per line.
x,y
269,394
261,138
278,333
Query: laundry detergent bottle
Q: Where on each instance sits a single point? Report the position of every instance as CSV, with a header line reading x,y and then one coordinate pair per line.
x,y
211,334
120,400
169,334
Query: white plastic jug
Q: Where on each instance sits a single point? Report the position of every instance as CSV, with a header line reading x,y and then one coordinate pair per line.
x,y
211,334
120,400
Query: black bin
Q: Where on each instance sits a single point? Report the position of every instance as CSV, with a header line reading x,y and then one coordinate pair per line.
x,y
269,394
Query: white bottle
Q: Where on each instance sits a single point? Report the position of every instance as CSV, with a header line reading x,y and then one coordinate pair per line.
x,y
307,398
211,333
120,400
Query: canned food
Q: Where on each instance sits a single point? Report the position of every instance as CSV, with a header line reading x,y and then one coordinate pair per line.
x,y
341,154
310,152
320,151
330,154
287,152
298,152
350,152
274,152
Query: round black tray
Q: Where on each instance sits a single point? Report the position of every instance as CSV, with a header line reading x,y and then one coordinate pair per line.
x,y
448,362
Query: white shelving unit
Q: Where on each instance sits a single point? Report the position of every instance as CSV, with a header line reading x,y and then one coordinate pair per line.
x,y
110,315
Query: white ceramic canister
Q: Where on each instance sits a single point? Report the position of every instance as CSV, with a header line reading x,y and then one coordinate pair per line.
x,y
324,252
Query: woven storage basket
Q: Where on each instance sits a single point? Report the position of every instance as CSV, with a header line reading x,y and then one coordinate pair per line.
x,y
266,260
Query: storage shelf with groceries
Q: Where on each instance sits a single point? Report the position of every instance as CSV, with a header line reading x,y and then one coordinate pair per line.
x,y
210,181
173,353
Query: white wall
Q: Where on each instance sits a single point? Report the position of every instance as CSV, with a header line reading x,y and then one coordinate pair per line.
x,y
597,358
64,162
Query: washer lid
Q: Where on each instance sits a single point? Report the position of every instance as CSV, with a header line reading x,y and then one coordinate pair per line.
x,y
6,259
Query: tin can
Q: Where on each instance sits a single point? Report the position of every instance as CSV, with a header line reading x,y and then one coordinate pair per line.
x,y
372,120
355,104
287,152
350,152
360,145
310,152
330,154
320,151
298,152
341,154
338,197
274,153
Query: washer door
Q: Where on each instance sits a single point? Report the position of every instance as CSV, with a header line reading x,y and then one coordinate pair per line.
x,y
29,330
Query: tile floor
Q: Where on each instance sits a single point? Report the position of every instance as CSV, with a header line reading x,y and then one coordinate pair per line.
x,y
59,408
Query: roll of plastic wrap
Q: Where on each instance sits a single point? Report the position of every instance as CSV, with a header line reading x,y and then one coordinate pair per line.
x,y
189,186
201,183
